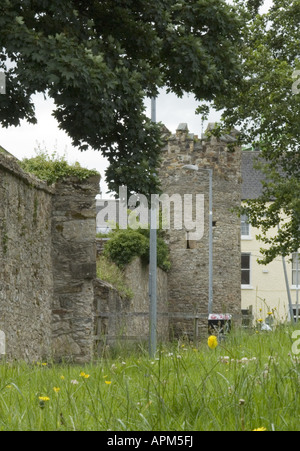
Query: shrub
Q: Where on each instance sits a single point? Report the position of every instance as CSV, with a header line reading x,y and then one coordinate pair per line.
x,y
125,245
51,168
163,254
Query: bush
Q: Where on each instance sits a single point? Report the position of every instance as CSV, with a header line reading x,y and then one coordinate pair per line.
x,y
125,245
54,167
163,254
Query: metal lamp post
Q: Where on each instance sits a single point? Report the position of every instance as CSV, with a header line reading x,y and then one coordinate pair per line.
x,y
153,264
297,286
210,265
287,286
210,276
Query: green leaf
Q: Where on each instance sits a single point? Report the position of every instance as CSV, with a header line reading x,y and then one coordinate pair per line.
x,y
98,61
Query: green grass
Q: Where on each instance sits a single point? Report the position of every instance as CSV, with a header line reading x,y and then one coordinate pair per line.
x,y
111,273
183,389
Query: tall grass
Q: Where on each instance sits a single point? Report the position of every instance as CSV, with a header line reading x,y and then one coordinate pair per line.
x,y
249,381
111,273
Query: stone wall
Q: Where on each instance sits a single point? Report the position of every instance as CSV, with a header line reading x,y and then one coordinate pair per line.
x,y
47,265
137,278
74,267
188,279
117,318
26,281
50,304
110,313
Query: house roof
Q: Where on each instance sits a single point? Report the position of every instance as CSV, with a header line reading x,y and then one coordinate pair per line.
x,y
251,178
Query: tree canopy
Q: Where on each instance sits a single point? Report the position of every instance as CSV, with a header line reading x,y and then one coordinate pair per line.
x,y
265,108
99,59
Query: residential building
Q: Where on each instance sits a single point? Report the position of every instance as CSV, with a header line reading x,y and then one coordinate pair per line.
x,y
263,287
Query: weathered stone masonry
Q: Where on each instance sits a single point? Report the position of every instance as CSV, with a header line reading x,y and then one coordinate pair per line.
x,y
49,297
124,320
26,279
188,278
47,265
74,267
184,290
51,303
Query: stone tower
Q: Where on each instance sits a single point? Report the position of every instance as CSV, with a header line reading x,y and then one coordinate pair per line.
x,y
188,280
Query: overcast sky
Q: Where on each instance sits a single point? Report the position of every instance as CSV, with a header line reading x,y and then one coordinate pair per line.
x,y
22,141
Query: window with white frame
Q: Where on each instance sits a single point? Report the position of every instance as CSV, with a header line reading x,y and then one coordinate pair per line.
x,y
296,269
245,227
246,270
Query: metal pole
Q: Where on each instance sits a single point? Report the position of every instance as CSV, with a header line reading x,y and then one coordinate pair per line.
x,y
153,109
210,218
210,276
288,290
297,286
153,281
2,83
287,286
153,263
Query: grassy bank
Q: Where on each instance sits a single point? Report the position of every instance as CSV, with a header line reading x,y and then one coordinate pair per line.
x,y
248,382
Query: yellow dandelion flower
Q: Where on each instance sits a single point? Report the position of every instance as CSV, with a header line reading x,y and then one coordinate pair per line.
x,y
260,430
84,375
212,342
44,398
44,364
108,382
62,378
260,320
56,389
